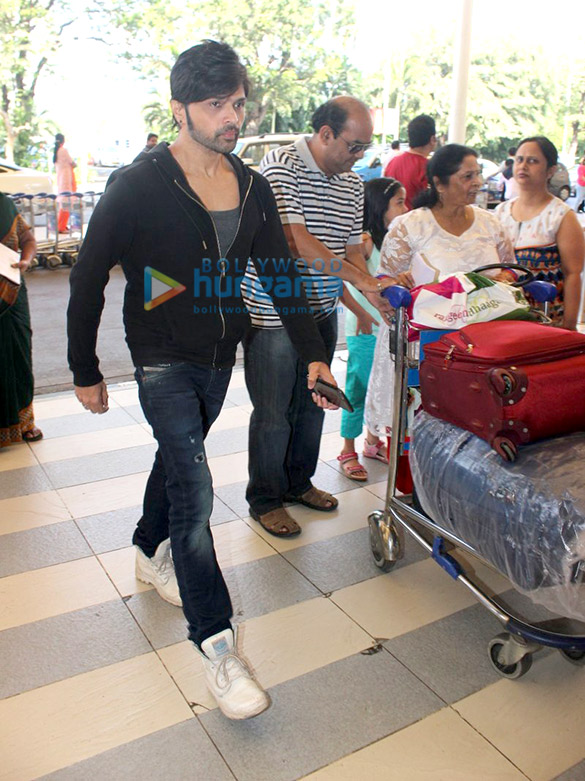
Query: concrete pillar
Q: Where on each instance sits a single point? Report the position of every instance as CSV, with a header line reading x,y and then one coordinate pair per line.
x,y
461,60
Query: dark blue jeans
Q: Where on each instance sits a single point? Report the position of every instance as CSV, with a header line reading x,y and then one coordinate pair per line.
x,y
181,401
285,427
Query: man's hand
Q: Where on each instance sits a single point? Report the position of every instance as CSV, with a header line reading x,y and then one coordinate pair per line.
x,y
94,397
382,305
365,322
318,370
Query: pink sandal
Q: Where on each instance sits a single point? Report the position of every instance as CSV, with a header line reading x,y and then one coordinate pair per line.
x,y
352,471
377,451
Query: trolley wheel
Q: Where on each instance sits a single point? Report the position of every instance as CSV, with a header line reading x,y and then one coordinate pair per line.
x,y
505,448
574,655
377,546
53,261
515,670
67,259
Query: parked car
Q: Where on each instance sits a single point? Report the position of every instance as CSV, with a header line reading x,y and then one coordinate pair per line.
x,y
370,165
493,184
573,175
251,149
14,179
559,185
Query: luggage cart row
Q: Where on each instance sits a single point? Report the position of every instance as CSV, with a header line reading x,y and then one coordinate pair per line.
x,y
58,223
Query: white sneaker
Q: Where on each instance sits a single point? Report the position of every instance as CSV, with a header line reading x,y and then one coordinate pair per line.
x,y
160,572
238,695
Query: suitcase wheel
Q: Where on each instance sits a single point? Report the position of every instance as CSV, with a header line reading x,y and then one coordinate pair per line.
x,y
503,382
505,448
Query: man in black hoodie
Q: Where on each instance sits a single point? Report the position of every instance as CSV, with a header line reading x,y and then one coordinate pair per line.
x,y
183,222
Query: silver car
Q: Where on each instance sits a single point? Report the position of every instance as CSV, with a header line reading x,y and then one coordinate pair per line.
x,y
560,183
14,179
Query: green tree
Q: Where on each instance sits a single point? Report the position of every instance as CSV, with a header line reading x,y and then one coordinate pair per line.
x,y
288,47
511,94
30,33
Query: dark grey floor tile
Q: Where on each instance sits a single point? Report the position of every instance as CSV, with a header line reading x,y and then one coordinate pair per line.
x,y
377,471
101,466
163,623
111,530
238,396
344,560
82,424
234,495
221,513
222,443
57,648
177,753
353,702
18,482
450,655
262,586
576,773
42,547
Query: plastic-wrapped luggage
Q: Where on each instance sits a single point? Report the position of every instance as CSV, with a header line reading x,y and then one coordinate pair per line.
x,y
526,518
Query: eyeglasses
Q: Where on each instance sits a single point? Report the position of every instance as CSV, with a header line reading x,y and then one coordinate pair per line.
x,y
355,147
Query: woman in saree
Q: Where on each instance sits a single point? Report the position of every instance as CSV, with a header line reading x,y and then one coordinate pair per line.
x,y
64,167
17,421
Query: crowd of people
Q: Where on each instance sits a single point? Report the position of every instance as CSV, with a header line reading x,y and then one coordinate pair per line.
x,y
192,206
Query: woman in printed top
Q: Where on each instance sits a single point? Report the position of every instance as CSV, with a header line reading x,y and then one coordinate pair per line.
x,y
545,232
384,199
443,234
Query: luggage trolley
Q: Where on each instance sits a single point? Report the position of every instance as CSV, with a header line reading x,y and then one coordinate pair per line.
x,y
44,222
511,651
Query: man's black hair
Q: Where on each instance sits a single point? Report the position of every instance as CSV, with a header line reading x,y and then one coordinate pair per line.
x,y
395,145
331,114
420,130
208,70
151,135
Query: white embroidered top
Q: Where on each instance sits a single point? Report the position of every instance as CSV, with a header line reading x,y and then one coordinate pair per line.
x,y
416,242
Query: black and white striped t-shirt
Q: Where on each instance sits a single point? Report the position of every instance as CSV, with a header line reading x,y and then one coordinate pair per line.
x,y
331,209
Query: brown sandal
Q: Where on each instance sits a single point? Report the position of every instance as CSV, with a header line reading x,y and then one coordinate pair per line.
x,y
315,499
33,435
277,522
354,471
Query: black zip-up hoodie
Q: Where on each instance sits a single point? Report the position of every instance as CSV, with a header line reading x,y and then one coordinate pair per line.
x,y
149,219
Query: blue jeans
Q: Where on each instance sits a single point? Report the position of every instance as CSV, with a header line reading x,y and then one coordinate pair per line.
x,y
181,401
285,426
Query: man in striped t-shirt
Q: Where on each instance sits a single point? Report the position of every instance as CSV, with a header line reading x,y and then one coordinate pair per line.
x,y
320,202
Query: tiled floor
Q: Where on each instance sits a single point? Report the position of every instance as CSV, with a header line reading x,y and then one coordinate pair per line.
x,y
371,675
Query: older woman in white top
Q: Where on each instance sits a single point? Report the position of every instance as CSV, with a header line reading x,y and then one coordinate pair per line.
x,y
443,234
545,232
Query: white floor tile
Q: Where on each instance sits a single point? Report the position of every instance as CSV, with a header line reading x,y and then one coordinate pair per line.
x,y
63,723
31,511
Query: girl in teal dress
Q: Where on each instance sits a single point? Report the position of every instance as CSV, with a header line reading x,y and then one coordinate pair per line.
x,y
384,200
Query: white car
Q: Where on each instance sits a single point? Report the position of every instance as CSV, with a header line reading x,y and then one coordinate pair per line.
x,y
253,148
14,179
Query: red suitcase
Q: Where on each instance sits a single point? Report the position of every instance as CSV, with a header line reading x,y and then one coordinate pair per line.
x,y
509,382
